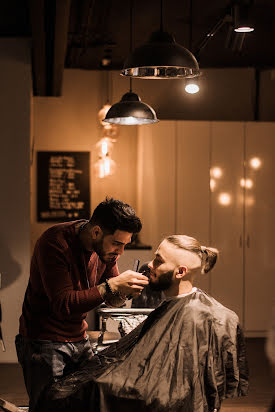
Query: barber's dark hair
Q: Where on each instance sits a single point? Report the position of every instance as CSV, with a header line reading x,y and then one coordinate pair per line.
x,y
112,215
207,254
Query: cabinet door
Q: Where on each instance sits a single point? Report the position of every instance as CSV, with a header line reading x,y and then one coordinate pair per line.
x,y
192,184
227,209
260,225
156,181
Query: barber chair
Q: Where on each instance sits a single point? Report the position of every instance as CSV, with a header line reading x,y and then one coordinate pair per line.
x,y
140,308
101,339
6,406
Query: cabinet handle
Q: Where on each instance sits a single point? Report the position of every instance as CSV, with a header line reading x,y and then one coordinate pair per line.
x,y
248,241
241,241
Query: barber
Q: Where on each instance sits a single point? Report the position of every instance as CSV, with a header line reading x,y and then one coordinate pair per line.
x,y
73,270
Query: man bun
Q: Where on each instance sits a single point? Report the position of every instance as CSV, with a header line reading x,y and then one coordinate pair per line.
x,y
208,255
209,258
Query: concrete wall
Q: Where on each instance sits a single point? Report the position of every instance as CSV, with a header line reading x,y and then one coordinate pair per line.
x,y
15,98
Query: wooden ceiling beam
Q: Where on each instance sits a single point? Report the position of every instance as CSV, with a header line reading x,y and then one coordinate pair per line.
x,y
50,23
62,18
36,10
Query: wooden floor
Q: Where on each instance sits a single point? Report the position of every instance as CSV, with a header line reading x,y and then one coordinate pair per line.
x,y
260,395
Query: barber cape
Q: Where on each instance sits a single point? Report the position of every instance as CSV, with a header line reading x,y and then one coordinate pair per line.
x,y
188,355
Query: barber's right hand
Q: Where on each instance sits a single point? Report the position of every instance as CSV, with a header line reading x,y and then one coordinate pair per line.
x,y
128,283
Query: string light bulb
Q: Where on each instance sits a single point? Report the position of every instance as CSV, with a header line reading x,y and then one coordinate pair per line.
x,y
102,113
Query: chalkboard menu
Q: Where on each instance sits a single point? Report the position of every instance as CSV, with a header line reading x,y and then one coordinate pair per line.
x,y
63,186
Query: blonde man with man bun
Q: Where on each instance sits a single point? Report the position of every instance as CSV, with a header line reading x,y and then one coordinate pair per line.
x,y
187,356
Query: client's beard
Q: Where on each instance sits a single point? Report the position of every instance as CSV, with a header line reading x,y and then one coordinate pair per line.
x,y
163,283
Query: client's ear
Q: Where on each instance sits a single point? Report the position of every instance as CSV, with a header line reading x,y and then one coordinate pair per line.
x,y
181,272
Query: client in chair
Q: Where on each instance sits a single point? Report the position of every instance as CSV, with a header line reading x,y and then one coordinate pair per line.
x,y
188,355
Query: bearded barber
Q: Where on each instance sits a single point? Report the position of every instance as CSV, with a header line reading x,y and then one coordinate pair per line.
x,y
73,270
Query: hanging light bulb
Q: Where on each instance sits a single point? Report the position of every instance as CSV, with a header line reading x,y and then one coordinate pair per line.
x,y
192,86
108,129
105,166
105,146
102,113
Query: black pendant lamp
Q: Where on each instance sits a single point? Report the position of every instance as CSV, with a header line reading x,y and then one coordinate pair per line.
x,y
161,58
130,110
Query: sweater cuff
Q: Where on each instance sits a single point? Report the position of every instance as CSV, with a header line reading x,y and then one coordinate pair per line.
x,y
96,296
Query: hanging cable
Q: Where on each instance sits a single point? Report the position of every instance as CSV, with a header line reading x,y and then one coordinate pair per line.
x,y
161,15
191,25
131,37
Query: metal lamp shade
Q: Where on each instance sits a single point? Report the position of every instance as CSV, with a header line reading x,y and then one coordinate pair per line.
x,y
242,21
161,58
130,110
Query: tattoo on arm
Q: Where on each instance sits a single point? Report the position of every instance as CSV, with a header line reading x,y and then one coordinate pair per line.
x,y
102,290
109,298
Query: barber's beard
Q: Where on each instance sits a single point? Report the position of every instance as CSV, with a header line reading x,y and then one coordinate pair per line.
x,y
104,257
163,282
98,248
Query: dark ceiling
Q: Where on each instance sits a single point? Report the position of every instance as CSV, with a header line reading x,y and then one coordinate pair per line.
x,y
90,33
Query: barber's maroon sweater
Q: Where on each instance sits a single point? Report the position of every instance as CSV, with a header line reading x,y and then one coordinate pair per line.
x,y
62,286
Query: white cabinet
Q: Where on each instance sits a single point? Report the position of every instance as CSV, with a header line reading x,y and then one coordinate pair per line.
x,y
260,225
196,178
156,181
192,184
226,205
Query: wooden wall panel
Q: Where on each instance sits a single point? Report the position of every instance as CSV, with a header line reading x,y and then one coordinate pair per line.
x,y
192,183
176,160
15,101
227,213
156,181
260,226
